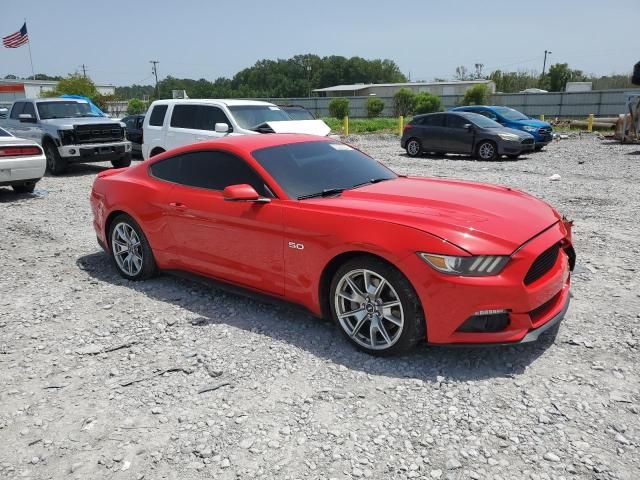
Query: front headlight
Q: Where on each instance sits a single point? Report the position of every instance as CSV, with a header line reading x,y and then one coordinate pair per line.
x,y
474,266
528,128
512,137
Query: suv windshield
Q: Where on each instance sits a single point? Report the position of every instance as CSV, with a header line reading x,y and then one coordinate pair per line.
x,y
481,120
251,116
66,109
313,168
511,114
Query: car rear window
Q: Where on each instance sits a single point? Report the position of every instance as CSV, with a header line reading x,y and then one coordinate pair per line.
x,y
157,115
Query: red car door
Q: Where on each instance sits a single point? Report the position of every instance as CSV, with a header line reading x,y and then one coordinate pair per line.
x,y
240,242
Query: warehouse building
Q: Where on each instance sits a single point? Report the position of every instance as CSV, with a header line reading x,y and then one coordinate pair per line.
x,y
11,90
390,89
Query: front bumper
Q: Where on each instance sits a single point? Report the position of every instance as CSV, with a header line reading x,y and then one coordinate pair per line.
x,y
14,171
515,148
95,152
449,301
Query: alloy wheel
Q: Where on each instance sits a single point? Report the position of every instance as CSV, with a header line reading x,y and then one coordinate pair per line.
x,y
127,249
369,309
413,148
487,151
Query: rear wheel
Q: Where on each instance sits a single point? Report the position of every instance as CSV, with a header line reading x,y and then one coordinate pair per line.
x,y
376,307
413,147
130,249
122,162
156,151
56,165
487,150
24,188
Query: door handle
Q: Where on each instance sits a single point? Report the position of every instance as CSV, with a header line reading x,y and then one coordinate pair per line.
x,y
177,205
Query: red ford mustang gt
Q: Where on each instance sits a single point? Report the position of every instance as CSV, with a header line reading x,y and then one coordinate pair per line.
x,y
392,259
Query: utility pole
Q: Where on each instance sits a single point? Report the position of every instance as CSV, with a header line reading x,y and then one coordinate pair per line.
x,y
154,70
544,64
309,79
84,70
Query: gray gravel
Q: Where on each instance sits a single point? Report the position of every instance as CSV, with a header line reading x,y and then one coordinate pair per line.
x,y
103,378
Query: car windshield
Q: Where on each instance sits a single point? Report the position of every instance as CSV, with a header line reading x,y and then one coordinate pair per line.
x,y
251,116
4,133
66,109
297,113
482,121
511,114
313,168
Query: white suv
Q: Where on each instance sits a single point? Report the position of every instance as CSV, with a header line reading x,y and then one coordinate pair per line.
x,y
172,123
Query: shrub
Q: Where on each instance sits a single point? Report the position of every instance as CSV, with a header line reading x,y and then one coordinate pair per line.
x,y
427,103
404,102
136,106
339,108
375,106
476,95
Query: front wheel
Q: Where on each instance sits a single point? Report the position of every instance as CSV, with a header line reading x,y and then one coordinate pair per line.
x,y
56,165
122,162
376,307
487,151
413,147
130,249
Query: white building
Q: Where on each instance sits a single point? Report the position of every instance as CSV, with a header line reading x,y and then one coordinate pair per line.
x,y
11,90
390,89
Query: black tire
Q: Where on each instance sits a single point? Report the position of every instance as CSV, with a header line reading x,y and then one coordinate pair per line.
x,y
122,162
56,165
156,151
487,151
24,188
413,329
413,147
538,148
513,156
148,265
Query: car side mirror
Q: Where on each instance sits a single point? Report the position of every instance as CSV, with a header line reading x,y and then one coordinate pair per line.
x,y
468,126
242,193
26,118
221,128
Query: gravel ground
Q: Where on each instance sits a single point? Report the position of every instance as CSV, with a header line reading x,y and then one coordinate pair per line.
x,y
103,378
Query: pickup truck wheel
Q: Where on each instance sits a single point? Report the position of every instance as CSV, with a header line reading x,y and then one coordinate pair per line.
x,y
24,188
56,165
122,162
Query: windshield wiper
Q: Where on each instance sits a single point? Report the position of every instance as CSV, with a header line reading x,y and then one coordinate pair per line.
x,y
369,182
324,193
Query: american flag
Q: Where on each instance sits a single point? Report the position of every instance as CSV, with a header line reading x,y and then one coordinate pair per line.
x,y
16,39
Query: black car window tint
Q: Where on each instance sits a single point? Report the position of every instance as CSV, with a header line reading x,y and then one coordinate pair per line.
x,y
455,121
208,116
168,169
157,115
217,170
184,116
434,120
29,109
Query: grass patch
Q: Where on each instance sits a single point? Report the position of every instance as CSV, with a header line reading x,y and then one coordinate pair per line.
x,y
365,125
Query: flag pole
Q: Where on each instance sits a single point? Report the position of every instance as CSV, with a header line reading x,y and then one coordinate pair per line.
x,y
33,73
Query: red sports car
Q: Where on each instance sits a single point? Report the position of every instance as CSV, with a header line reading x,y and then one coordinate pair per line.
x,y
392,259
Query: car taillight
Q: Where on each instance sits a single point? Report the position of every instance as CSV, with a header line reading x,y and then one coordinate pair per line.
x,y
407,127
19,151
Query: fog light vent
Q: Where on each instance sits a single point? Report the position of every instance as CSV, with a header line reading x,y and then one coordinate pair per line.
x,y
485,321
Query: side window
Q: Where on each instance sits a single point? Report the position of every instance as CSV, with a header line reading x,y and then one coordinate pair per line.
x,y
184,116
454,121
17,110
129,122
157,115
217,170
433,121
28,108
168,169
208,116
488,114
139,122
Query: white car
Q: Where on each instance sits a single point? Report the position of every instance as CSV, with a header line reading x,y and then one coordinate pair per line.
x,y
22,162
172,123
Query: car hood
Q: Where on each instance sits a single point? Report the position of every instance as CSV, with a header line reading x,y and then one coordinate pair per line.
x,y
310,127
532,122
66,123
520,133
479,218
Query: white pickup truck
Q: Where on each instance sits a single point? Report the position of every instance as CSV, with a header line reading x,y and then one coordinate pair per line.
x,y
69,132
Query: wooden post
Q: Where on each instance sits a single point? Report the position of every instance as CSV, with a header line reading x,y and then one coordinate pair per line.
x,y
590,123
345,126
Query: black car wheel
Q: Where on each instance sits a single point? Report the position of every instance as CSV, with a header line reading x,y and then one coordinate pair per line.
x,y
413,147
56,165
376,307
122,162
487,150
26,187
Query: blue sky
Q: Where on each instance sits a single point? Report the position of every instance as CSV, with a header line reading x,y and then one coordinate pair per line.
x,y
208,39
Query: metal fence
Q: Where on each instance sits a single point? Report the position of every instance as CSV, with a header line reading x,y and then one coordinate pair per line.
x,y
564,105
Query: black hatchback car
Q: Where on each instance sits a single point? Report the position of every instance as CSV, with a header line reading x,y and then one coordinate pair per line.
x,y
463,132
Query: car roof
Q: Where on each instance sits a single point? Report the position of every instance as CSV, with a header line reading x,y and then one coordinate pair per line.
x,y
214,101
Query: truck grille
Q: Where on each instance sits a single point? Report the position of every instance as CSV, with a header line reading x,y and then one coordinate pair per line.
x,y
98,133
544,131
545,261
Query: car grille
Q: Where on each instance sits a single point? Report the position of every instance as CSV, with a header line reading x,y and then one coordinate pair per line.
x,y
98,133
544,131
537,313
528,141
542,264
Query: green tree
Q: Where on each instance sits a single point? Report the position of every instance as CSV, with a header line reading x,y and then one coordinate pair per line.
x,y
136,106
75,84
339,108
476,95
427,103
560,74
404,102
375,106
